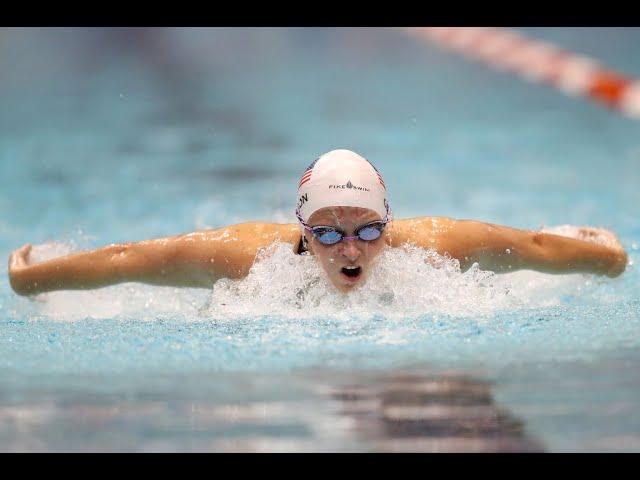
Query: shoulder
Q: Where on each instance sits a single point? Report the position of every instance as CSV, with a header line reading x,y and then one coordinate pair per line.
x,y
426,232
232,249
256,233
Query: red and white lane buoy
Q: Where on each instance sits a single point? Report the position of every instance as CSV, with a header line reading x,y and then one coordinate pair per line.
x,y
539,61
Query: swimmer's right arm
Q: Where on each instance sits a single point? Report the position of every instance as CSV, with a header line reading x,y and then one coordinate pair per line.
x,y
191,260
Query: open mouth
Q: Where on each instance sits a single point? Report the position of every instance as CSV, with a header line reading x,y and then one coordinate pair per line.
x,y
351,272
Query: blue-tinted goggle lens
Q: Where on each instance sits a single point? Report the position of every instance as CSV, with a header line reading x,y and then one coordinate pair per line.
x,y
327,236
331,235
370,232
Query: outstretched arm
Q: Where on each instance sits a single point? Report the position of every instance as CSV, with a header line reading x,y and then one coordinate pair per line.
x,y
503,249
191,260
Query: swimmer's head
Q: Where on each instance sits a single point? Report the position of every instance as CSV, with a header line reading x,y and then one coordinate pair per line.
x,y
341,178
343,190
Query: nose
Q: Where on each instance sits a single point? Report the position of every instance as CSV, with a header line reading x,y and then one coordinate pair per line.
x,y
350,250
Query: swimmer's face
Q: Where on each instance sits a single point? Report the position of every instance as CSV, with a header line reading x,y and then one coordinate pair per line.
x,y
336,259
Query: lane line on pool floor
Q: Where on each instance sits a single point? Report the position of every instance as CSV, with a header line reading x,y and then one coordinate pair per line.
x,y
540,62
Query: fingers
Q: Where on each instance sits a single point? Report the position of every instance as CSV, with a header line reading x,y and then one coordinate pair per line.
x,y
619,265
609,239
19,258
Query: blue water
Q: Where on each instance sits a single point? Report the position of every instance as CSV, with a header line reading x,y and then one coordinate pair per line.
x,y
121,135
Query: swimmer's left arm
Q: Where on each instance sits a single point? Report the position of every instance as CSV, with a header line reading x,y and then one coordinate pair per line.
x,y
504,249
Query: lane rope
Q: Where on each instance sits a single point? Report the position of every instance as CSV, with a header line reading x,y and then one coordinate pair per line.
x,y
540,62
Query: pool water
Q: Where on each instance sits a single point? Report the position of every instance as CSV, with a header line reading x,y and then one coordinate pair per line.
x,y
114,135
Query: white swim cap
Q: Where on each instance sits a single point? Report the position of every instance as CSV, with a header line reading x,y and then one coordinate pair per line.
x,y
341,178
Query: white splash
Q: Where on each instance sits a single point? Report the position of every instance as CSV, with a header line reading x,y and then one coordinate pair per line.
x,y
143,302
406,282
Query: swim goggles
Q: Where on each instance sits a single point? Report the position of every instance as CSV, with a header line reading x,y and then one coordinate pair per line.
x,y
329,235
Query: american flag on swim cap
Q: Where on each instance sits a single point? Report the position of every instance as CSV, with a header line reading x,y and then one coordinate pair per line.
x,y
306,176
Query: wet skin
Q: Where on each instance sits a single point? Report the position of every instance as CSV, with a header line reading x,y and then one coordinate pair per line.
x,y
200,258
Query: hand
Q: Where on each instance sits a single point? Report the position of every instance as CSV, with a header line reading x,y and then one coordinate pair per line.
x,y
605,237
18,261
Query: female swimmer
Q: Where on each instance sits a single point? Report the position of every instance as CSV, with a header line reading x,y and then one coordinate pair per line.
x,y
344,222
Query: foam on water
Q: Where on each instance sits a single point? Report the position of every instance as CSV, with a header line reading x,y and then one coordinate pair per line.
x,y
404,282
129,300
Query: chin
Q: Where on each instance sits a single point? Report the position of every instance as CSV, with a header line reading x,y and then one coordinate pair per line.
x,y
347,287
